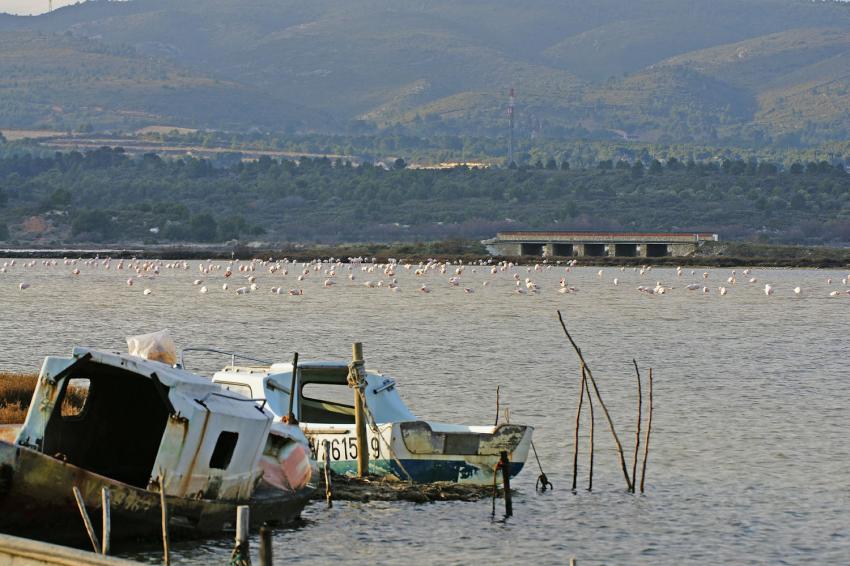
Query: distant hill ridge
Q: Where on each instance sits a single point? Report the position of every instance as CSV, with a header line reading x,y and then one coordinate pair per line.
x,y
754,71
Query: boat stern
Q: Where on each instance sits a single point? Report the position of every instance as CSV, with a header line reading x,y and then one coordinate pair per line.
x,y
434,452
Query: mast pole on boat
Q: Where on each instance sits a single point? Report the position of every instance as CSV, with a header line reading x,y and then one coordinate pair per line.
x,y
290,416
359,409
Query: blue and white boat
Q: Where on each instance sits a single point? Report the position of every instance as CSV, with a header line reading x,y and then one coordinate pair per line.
x,y
400,444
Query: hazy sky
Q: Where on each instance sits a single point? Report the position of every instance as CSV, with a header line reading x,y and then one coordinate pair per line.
x,y
26,7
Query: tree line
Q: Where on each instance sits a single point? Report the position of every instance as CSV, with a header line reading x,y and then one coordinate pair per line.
x,y
106,195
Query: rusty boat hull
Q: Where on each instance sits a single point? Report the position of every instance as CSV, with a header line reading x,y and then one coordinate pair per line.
x,y
37,501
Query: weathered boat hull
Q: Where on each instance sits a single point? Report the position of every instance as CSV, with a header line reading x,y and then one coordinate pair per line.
x,y
37,501
427,471
415,451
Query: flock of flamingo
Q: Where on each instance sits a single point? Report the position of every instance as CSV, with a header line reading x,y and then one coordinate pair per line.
x,y
242,277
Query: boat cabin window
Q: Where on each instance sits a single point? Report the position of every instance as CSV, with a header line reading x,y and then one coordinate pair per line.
x,y
329,403
223,451
118,428
75,397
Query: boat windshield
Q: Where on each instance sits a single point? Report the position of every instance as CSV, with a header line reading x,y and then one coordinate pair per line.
x,y
325,396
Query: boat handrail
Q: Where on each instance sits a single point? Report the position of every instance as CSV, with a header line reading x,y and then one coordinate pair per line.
x,y
233,356
202,401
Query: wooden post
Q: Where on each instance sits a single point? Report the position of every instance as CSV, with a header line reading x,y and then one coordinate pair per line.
x,y
166,539
265,546
328,482
106,523
290,415
575,437
646,440
637,430
81,505
360,413
497,407
242,552
602,403
506,483
592,426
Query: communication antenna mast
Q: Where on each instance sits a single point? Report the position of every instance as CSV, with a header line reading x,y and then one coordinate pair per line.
x,y
511,101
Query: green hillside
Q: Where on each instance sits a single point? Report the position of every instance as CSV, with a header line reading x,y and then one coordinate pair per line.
x,y
748,71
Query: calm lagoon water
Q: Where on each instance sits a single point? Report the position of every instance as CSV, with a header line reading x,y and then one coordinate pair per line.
x,y
749,460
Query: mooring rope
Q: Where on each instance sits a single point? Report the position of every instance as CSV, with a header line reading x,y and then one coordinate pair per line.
x,y
543,482
358,382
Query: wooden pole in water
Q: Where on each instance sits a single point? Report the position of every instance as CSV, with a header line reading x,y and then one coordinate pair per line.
x,y
106,522
290,415
166,539
637,431
646,440
242,553
592,426
265,546
575,436
601,402
497,407
506,483
329,491
81,505
360,412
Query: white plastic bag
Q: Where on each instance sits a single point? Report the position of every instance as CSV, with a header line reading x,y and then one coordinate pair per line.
x,y
156,346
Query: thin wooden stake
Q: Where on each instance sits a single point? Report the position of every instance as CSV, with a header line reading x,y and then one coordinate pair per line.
x,y
637,431
166,538
497,407
106,519
81,505
646,439
575,436
506,483
329,492
592,426
293,387
601,402
242,553
266,546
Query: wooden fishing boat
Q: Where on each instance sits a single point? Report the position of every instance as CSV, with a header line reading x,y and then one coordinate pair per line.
x,y
140,427
399,444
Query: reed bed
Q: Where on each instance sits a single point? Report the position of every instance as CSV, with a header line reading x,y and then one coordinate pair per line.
x,y
16,393
15,396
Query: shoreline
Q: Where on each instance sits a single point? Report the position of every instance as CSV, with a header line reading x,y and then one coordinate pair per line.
x,y
741,255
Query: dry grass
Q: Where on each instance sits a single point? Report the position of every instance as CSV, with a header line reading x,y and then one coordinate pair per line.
x,y
16,393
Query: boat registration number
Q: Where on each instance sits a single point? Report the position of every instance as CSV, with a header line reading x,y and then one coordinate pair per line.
x,y
344,448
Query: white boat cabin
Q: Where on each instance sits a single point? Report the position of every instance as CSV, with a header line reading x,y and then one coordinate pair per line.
x,y
134,421
322,394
